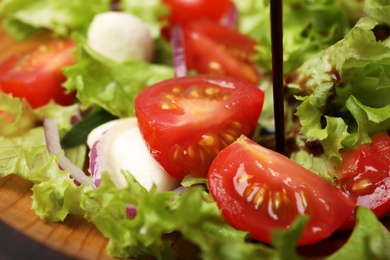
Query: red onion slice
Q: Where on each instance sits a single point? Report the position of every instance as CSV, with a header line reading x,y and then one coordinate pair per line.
x,y
231,17
76,117
131,211
96,164
180,190
52,139
179,57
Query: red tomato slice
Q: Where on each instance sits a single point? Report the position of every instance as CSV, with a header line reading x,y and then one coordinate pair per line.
x,y
183,11
37,75
259,190
186,121
365,174
212,48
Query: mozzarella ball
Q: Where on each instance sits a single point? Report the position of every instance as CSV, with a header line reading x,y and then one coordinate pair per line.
x,y
120,36
122,147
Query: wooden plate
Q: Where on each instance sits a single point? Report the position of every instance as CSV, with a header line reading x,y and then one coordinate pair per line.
x,y
74,238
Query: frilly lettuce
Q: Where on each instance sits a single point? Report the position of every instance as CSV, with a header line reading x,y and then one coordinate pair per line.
x,y
108,84
17,116
54,193
23,18
347,86
193,214
369,239
23,152
308,26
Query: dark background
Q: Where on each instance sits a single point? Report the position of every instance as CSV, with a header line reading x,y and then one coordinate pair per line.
x,y
16,246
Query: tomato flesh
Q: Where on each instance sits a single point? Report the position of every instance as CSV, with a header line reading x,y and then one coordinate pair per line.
x,y
37,75
365,174
259,190
183,11
186,121
212,48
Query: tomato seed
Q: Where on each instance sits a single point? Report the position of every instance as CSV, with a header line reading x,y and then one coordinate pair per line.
x,y
236,125
249,191
229,138
177,154
361,185
194,93
214,67
191,151
301,202
211,91
168,106
244,178
170,96
207,140
176,90
258,199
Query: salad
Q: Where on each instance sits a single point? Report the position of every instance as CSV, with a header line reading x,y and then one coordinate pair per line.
x,y
228,192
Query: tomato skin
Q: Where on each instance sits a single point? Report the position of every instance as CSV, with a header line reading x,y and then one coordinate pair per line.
x,y
186,121
365,174
259,190
37,75
212,48
183,11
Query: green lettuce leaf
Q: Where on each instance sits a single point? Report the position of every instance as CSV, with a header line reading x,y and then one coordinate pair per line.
x,y
285,240
308,26
347,91
55,194
23,152
23,18
17,116
194,214
108,84
369,239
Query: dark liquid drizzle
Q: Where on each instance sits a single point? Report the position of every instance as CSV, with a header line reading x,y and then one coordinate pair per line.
x,y
277,72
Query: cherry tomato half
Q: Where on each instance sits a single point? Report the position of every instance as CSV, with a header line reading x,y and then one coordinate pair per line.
x,y
186,121
259,190
37,75
183,11
212,48
365,174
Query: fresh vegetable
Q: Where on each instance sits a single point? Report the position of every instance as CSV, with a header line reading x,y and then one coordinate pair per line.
x,y
101,83
118,145
37,75
120,36
343,95
110,85
23,19
212,48
365,174
52,140
182,11
259,190
186,121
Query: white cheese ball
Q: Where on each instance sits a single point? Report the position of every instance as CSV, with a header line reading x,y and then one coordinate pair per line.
x,y
120,36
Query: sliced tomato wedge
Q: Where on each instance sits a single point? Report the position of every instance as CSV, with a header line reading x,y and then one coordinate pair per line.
x,y
365,174
183,11
212,48
186,121
259,190
37,75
